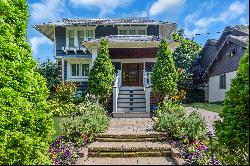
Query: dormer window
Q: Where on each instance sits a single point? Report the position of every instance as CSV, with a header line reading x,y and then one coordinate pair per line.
x,y
132,30
233,52
71,38
80,37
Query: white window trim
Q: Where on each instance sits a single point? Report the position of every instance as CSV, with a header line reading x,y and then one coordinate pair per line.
x,y
128,28
76,29
69,73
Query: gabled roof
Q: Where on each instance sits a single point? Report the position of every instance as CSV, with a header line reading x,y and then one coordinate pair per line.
x,y
239,40
47,29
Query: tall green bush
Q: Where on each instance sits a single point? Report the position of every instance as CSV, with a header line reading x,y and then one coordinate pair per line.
x,y
164,76
101,75
25,120
233,131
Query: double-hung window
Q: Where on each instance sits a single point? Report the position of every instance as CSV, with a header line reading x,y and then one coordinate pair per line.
x,y
85,70
75,70
79,70
132,32
122,32
223,81
141,32
80,37
71,38
90,34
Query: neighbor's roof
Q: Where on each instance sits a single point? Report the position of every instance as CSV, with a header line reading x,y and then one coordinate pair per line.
x,y
47,29
239,40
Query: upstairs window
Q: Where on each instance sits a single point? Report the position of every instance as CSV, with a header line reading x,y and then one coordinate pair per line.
x,y
85,70
223,81
71,38
233,52
80,37
122,32
75,68
132,32
90,34
141,32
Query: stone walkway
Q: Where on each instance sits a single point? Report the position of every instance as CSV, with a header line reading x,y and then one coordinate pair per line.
x,y
129,127
129,161
210,117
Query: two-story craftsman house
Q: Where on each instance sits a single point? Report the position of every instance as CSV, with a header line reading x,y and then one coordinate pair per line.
x,y
132,43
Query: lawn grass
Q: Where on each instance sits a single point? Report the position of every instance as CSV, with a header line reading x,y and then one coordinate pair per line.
x,y
57,121
208,106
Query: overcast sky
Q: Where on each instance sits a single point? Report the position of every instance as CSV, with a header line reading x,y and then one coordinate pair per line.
x,y
194,16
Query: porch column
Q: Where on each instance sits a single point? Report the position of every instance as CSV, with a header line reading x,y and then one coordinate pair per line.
x,y
62,70
94,55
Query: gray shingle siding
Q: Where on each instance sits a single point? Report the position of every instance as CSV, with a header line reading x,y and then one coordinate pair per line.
x,y
153,30
60,33
102,31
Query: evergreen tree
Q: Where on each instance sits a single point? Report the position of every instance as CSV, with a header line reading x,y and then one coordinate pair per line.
x,y
164,76
101,75
233,131
25,120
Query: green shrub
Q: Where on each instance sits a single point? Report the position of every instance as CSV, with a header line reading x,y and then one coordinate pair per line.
x,y
25,119
173,119
92,118
63,100
101,75
164,76
233,131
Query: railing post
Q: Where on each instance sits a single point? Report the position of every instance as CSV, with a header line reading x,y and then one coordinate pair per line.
x,y
115,99
147,95
119,74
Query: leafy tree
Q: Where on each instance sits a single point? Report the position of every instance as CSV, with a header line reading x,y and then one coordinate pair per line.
x,y
233,131
49,70
25,121
164,76
101,74
184,56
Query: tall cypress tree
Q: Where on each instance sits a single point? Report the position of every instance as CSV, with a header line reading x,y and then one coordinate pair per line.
x,y
164,77
101,75
233,131
25,120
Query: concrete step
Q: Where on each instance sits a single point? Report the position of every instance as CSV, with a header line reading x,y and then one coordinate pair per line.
x,y
131,92
129,149
128,137
131,100
132,109
131,88
131,105
131,114
127,96
128,161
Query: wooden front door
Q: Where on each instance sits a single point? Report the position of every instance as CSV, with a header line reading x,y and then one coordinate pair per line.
x,y
132,74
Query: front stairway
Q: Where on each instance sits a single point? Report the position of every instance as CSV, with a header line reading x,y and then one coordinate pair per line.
x,y
131,103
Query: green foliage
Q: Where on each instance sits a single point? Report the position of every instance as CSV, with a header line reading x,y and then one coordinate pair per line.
x,y
101,75
233,131
63,101
173,119
92,119
184,56
25,120
164,76
49,70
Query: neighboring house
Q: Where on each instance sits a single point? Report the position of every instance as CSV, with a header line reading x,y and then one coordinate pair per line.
x,y
132,43
225,55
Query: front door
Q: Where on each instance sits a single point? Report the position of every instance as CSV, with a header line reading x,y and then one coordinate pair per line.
x,y
132,74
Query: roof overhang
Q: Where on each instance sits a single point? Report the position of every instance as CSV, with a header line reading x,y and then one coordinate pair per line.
x,y
129,44
46,30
